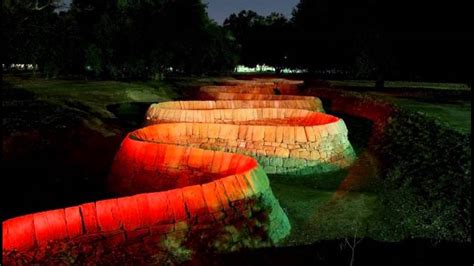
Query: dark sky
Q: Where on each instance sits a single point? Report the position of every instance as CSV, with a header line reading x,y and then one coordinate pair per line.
x,y
221,9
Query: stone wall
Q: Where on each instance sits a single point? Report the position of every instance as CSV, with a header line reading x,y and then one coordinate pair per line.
x,y
231,89
309,103
223,95
257,89
190,176
214,193
283,86
294,140
290,149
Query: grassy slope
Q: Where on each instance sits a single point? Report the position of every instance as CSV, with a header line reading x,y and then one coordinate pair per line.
x,y
331,206
401,84
95,95
453,112
320,214
90,99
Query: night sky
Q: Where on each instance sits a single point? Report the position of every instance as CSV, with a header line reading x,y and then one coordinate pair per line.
x,y
221,9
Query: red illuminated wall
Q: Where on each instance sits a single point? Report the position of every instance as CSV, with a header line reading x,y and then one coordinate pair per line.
x,y
175,179
172,188
287,134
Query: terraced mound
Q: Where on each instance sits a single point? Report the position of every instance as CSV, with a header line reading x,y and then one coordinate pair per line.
x,y
286,134
284,141
283,86
187,177
258,89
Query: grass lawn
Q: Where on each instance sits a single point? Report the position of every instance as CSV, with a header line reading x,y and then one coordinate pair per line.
x,y
95,95
88,101
456,115
435,100
317,214
333,205
401,84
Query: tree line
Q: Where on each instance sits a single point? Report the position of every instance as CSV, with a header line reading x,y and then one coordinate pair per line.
x,y
117,39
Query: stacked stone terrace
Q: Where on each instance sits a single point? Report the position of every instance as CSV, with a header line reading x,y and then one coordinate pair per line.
x,y
197,173
207,199
174,191
288,135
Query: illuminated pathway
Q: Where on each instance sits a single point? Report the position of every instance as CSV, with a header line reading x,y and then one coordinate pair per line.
x,y
187,175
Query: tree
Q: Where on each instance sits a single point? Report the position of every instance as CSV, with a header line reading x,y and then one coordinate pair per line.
x,y
29,30
244,27
263,40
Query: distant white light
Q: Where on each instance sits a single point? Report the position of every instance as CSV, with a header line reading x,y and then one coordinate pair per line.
x,y
257,68
19,66
264,68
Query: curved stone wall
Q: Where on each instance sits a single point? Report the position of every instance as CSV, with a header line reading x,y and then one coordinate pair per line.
x,y
175,189
251,116
283,86
190,174
284,141
211,90
287,134
223,95
309,103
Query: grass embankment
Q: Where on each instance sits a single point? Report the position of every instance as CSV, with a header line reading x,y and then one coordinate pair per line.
x,y
91,100
400,84
449,103
332,206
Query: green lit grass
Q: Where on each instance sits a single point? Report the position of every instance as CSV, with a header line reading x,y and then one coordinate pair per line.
x,y
401,84
317,214
453,111
95,95
455,115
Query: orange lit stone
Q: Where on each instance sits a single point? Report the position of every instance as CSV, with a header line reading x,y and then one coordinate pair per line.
x,y
177,174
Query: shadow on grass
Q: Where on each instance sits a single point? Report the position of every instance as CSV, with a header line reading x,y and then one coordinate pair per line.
x,y
368,252
130,115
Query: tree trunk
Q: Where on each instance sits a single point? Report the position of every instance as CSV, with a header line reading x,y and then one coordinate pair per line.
x,y
34,70
352,257
380,83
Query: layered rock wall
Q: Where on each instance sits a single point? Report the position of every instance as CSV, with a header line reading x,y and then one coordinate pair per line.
x,y
195,191
196,173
